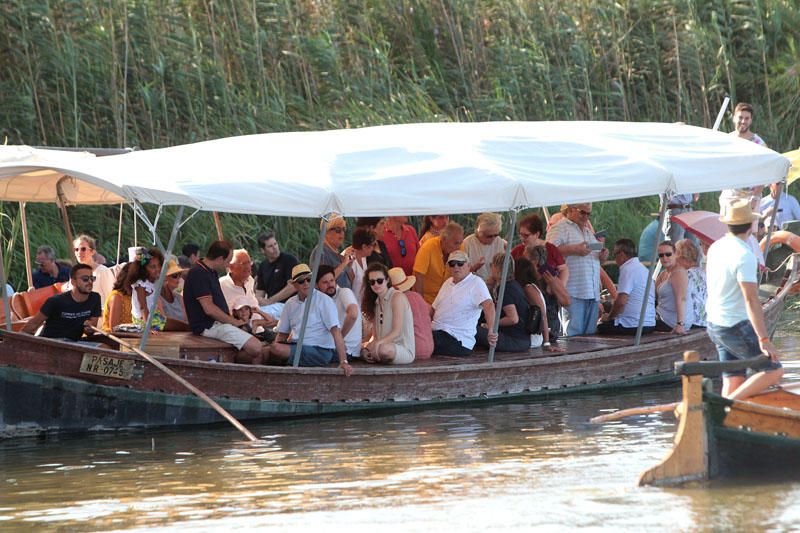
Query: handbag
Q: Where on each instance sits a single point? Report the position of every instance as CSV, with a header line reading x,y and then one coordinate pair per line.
x,y
534,323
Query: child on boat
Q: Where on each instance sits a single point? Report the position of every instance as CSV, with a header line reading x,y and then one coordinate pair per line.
x,y
142,276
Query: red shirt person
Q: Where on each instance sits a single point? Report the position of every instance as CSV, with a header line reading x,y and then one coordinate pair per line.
x,y
401,243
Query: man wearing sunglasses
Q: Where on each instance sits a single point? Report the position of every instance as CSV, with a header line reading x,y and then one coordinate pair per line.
x,y
458,307
68,315
323,343
583,253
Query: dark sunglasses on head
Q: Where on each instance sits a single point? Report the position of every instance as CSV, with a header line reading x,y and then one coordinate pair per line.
x,y
377,281
301,281
665,254
455,263
402,245
86,279
81,248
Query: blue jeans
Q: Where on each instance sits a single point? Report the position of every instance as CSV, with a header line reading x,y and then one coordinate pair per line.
x,y
313,355
580,317
736,343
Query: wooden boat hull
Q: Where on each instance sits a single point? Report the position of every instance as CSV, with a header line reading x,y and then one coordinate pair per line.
x,y
744,439
43,386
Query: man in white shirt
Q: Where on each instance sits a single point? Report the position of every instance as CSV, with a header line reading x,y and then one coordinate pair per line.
x,y
788,207
623,319
458,307
323,343
239,282
347,308
735,319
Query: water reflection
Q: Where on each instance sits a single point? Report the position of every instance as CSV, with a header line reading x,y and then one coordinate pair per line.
x,y
518,465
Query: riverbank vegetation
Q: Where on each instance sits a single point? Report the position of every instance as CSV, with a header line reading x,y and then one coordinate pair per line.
x,y
153,73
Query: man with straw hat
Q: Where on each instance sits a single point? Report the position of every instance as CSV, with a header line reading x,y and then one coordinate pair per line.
x,y
735,318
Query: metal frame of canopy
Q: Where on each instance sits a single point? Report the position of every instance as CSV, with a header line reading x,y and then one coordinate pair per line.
x,y
447,167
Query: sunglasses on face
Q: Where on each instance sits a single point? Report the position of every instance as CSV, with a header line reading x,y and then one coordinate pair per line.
x,y
81,248
303,281
86,279
175,276
376,281
584,212
402,245
454,263
665,254
337,229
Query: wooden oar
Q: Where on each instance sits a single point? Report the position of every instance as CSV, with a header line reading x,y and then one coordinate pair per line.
x,y
633,411
197,392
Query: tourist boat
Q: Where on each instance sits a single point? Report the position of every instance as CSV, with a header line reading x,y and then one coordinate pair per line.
x,y
722,438
48,385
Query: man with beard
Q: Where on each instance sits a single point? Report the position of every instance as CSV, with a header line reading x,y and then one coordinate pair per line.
x,y
68,315
346,307
742,120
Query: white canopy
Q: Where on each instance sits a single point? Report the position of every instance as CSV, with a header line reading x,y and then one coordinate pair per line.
x,y
443,168
32,175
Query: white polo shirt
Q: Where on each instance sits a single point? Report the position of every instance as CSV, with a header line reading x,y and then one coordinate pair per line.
x,y
457,308
321,318
233,292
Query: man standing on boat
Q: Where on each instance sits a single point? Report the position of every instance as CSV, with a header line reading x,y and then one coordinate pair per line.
x,y
583,253
323,343
735,318
458,307
68,315
207,309
273,279
743,120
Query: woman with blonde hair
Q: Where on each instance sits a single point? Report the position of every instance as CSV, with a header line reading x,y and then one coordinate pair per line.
x,y
689,258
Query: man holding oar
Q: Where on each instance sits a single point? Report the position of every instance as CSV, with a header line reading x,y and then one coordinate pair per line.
x,y
735,318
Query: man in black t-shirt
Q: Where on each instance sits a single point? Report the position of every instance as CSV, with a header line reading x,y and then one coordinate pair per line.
x,y
206,308
66,315
273,279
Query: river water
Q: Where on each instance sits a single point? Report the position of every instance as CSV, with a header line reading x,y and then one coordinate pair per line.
x,y
526,465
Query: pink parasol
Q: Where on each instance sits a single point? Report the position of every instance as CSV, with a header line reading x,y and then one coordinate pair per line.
x,y
704,224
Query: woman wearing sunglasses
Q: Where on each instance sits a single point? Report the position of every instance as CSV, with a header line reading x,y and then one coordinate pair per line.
x,y
171,300
84,247
389,312
673,307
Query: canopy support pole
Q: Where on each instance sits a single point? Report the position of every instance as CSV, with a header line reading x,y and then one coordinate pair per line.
x,y
119,231
218,225
62,206
135,229
3,283
160,283
316,259
646,298
772,223
546,213
502,289
26,244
